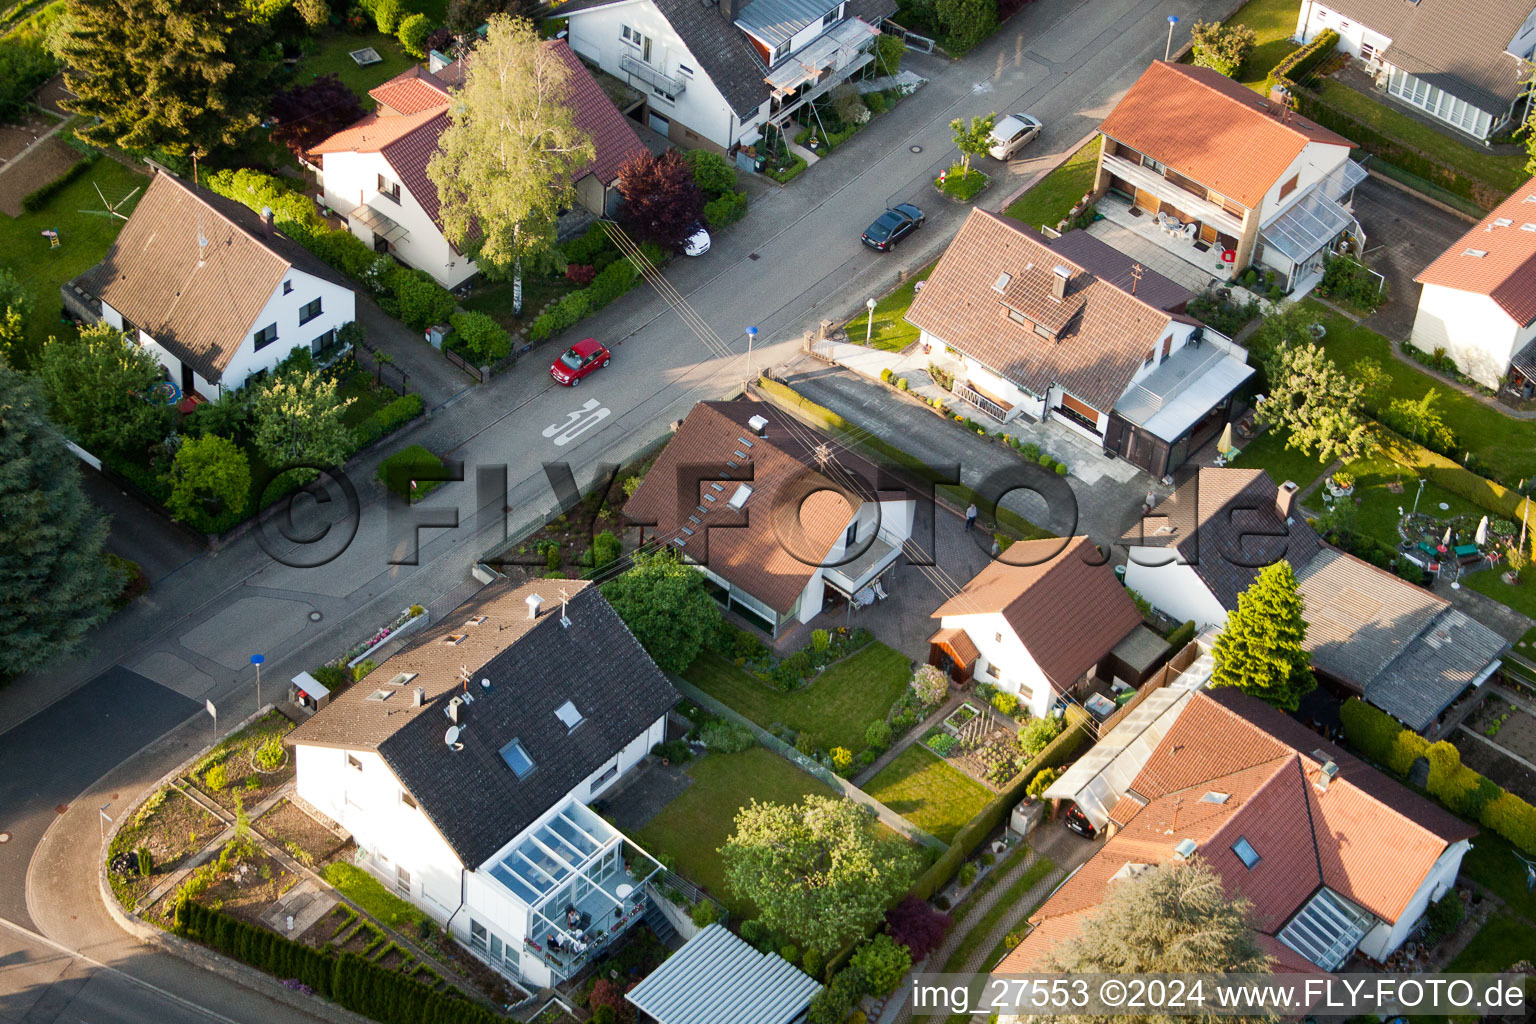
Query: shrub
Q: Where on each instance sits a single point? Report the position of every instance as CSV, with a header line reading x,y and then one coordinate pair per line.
x,y
1221,47
725,210
421,301
39,197
483,338
916,925
269,756
1445,914
712,172
412,33
389,419
726,736
705,913
552,560
967,873
332,677
805,743
884,963
903,720
386,15
606,549
878,735
886,374
985,691
1061,469
930,685
842,760
833,1003
1512,818
569,309
1302,61
614,280
1181,635
362,668
799,663
1038,732
789,952
1042,782
1007,703
820,640
812,962
217,777
412,462
580,273
1406,748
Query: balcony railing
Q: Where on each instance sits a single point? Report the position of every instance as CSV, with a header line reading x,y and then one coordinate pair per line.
x,y
970,396
651,76
568,954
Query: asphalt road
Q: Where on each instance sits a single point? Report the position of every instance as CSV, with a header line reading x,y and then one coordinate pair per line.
x,y
795,260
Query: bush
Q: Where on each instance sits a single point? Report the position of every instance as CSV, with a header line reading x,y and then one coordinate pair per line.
x,y
789,952
712,172
878,735
1181,635
967,873
1303,61
269,756
799,663
1369,730
39,197
217,777
1348,279
812,963
1038,733
386,15
389,419
886,374
332,677
420,301
725,736
883,962
930,685
1445,914
485,340
1512,818
1221,47
917,926
569,309
1042,782
705,913
725,210
833,1003
842,760
412,33
676,751
1007,703
410,463
1061,469
616,279
788,171
606,549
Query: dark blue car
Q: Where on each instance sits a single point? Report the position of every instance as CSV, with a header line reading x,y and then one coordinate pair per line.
x,y
892,226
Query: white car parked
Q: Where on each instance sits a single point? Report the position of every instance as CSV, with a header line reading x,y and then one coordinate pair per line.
x,y
697,243
1012,134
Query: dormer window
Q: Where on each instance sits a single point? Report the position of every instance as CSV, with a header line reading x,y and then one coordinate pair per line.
x,y
1020,318
832,16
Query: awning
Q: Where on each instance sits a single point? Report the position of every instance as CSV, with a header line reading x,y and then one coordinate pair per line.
x,y
1313,222
719,978
837,48
959,645
1181,391
380,225
1202,210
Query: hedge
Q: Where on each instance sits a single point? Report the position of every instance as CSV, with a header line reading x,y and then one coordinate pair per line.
x,y
1181,635
966,841
347,979
611,282
1460,789
726,210
38,197
483,338
388,419
1301,62
788,174
1458,479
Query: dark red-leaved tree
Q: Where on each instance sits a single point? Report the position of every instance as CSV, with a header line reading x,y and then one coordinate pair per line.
x,y
308,114
917,926
661,202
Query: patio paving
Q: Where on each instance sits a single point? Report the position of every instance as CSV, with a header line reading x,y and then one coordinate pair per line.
x,y
1141,238
649,789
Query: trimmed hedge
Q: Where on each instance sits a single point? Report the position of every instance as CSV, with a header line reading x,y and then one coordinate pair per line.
x,y
1182,635
789,173
1301,62
38,197
726,210
347,979
1460,789
966,841
388,419
1454,477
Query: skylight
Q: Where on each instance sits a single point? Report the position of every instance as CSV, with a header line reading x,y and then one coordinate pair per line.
x,y
1002,282
517,758
1214,797
568,714
739,499
454,639
1479,253
1246,853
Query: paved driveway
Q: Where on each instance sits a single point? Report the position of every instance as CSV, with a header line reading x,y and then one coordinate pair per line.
x,y
1403,235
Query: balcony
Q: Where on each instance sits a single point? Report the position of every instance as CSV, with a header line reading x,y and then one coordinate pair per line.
x,y
652,76
821,65
1191,205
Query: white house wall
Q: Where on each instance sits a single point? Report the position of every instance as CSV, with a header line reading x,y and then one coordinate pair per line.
x,y
1314,17
352,180
366,802
1314,163
1174,589
700,113
1472,328
338,306
1384,939
1004,660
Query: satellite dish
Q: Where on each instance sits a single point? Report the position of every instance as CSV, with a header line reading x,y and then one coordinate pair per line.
x,y
451,737
485,684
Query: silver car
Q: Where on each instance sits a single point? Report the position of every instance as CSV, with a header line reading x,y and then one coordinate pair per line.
x,y
1012,134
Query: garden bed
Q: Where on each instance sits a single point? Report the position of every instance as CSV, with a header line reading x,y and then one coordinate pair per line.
x,y
306,840
587,536
250,888
171,828
961,185
227,774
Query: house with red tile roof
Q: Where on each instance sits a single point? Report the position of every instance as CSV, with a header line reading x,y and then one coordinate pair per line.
x,y
375,172
1479,297
1019,623
1228,172
1336,859
1073,331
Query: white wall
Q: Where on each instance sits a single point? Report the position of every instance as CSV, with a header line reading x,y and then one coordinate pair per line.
x,y
1314,17
1315,162
1173,588
895,526
1472,328
1384,939
352,180
1004,660
596,35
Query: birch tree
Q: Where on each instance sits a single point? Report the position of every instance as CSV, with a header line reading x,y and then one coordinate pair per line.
x,y
504,166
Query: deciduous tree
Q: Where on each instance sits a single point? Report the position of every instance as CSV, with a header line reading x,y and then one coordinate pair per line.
x,y
819,871
665,605
309,113
661,202
504,165
1375,382
972,139
298,421
180,75
1420,420
55,583
1315,403
965,22
210,475
1221,47
99,387
1261,649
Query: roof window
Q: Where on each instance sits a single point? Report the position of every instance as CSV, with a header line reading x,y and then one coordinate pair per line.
x,y
568,714
1002,282
1479,253
474,620
454,639
1528,226
517,759
1246,853
1502,222
1214,797
380,695
739,499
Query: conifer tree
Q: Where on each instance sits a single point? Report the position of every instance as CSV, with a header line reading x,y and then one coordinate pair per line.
x,y
1260,651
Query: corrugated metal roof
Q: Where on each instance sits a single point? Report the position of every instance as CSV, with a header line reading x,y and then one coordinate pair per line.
x,y
717,978
775,22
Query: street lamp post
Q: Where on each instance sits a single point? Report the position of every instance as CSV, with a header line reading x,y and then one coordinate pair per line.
x,y
1173,19
257,659
751,336
869,331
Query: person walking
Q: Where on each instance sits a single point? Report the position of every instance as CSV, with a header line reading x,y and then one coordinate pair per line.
x,y
970,516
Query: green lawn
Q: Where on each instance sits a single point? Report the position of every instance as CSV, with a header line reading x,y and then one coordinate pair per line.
x,y
1378,515
1502,941
84,241
1053,196
692,828
921,787
1492,864
1268,452
836,708
1272,21
889,330
1519,596
1507,446
962,184
332,55
1503,172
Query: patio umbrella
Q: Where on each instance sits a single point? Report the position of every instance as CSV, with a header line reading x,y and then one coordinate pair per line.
x,y
1482,532
1225,444
1445,541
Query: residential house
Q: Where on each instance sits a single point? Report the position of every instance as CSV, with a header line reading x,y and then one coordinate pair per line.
x,y
1369,632
1106,353
1236,172
719,978
1020,623
1479,298
463,766
375,172
781,523
1336,858
212,289
1461,62
716,71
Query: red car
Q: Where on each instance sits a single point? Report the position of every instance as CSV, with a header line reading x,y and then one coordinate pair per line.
x,y
578,361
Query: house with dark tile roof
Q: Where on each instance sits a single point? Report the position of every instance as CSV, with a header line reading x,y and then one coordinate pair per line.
x,y
1228,173
1020,623
1369,632
715,72
1478,300
1072,330
782,523
1461,62
1337,860
374,173
213,289
464,764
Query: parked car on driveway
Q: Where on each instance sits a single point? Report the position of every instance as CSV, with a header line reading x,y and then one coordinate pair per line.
x,y
1077,821
582,358
892,226
1012,134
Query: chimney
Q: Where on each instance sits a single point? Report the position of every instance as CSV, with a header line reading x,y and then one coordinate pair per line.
x,y
419,697
759,425
728,8
453,710
1285,498
266,221
1325,775
534,601
1059,282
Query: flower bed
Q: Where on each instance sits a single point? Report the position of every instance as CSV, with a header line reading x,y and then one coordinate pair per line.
x,y
961,185
411,619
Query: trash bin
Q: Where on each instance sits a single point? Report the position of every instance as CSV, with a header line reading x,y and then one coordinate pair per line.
x,y
436,333
1120,573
